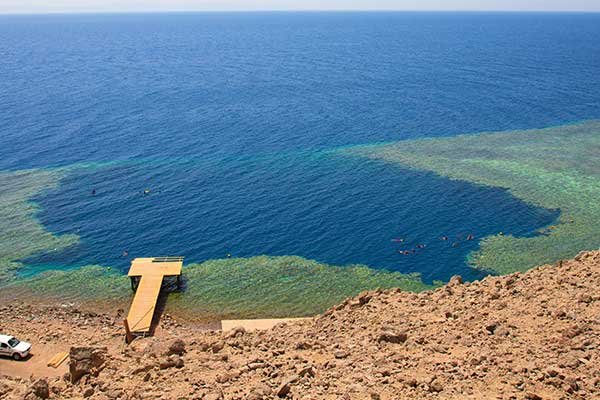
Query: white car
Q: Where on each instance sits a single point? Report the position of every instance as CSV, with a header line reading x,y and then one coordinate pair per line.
x,y
12,347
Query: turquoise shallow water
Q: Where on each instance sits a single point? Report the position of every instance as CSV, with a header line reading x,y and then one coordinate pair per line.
x,y
232,122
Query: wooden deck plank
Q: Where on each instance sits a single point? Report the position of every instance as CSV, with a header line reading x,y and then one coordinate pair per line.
x,y
58,359
142,308
146,266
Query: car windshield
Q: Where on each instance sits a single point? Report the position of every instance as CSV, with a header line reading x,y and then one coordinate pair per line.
x,y
13,342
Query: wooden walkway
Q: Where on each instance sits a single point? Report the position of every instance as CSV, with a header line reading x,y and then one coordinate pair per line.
x,y
257,324
146,279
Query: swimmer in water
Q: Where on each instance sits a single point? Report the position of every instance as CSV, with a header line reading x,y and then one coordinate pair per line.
x,y
444,237
470,237
125,253
93,192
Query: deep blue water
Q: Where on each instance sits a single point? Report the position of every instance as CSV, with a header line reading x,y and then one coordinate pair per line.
x,y
229,120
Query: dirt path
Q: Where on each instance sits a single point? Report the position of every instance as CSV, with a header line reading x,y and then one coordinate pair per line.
x,y
36,364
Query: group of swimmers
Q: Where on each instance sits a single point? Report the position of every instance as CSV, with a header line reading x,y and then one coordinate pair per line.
x,y
145,192
406,252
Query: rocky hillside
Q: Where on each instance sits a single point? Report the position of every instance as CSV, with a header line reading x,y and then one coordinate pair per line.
x,y
534,335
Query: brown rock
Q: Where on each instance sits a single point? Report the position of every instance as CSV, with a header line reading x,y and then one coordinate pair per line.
x,y
364,298
303,345
285,388
143,368
114,394
340,354
307,371
85,361
491,327
256,365
172,361
176,347
235,332
435,387
393,337
228,376
41,389
217,347
572,331
532,396
213,396
584,298
501,331
259,392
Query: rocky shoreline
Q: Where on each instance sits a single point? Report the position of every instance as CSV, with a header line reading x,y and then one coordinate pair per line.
x,y
533,335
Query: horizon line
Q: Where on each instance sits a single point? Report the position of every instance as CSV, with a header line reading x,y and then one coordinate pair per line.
x,y
291,11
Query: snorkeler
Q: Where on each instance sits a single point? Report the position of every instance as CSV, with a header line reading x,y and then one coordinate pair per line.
x,y
470,237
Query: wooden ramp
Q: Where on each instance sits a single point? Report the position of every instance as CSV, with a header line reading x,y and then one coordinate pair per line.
x,y
146,279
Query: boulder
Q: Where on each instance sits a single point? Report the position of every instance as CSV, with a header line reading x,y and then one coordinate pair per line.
x,y
217,347
176,347
435,387
392,337
172,361
41,389
86,361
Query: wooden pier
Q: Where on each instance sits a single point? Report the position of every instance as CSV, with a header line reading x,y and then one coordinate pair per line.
x,y
146,276
257,324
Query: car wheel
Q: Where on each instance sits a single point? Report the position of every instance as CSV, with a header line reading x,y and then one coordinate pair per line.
x,y
17,356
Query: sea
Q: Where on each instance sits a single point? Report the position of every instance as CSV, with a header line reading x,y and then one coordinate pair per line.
x,y
209,135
